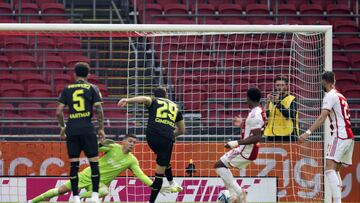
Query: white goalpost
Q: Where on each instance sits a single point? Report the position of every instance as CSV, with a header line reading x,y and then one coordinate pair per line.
x,y
207,70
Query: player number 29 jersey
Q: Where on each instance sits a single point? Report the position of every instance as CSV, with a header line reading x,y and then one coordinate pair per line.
x,y
163,114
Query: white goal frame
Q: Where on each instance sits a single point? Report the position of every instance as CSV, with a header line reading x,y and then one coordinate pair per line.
x,y
327,29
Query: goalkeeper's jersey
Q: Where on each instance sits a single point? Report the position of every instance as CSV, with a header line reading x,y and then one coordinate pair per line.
x,y
114,162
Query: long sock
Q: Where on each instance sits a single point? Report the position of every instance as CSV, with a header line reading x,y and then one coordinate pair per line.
x,y
340,180
74,178
46,195
168,174
228,179
156,186
334,183
95,175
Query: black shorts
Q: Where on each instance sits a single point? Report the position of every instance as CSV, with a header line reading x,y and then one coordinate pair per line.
x,y
82,142
162,147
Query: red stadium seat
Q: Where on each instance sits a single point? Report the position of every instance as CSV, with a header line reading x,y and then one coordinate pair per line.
x,y
322,3
217,3
204,9
27,8
313,9
240,90
23,62
193,97
70,61
6,108
260,9
102,89
230,9
220,91
5,8
31,110
42,43
53,64
351,43
4,63
30,79
41,2
263,22
296,3
352,92
285,9
39,90
178,9
112,110
15,45
14,90
52,8
340,62
69,46
309,21
338,9
150,10
59,21
7,78
160,21
235,21
355,61
93,78
345,26
211,22
290,22
203,62
61,79
210,113
244,3
336,44
345,80
50,109
59,88
164,3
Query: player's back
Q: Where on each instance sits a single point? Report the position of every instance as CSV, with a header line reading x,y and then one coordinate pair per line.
x,y
80,98
163,115
339,116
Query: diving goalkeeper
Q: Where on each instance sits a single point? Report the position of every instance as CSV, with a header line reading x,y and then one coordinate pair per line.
x,y
117,158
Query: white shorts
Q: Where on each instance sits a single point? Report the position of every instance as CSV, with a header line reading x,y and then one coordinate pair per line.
x,y
233,158
340,150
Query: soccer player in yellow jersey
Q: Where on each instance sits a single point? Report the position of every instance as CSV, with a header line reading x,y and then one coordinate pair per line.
x,y
117,158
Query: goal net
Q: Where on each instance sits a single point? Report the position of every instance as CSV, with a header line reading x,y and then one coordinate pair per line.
x,y
207,71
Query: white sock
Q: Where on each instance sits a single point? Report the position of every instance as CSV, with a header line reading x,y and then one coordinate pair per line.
x,y
334,182
229,180
340,180
76,199
95,195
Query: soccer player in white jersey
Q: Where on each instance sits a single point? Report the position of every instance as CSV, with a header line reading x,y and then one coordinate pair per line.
x,y
245,150
341,146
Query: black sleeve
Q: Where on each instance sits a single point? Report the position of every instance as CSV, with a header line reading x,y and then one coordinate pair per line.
x,y
288,113
179,117
267,113
62,97
153,100
96,94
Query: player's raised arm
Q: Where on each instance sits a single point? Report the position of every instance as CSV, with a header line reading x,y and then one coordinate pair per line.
x,y
138,99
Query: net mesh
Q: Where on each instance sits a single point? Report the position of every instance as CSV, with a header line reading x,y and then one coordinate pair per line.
x,y
207,74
